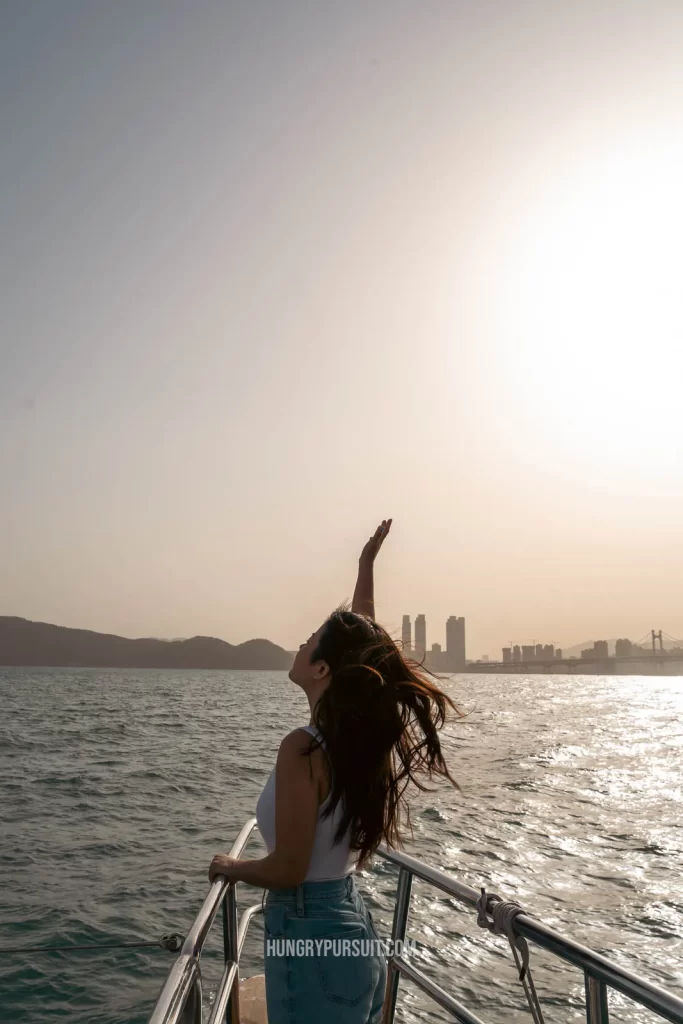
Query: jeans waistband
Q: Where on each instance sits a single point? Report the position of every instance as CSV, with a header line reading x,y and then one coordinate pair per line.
x,y
327,890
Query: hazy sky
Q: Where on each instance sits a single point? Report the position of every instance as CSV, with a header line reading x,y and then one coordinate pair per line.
x,y
272,272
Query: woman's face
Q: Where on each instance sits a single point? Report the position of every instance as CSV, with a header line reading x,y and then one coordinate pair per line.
x,y
302,671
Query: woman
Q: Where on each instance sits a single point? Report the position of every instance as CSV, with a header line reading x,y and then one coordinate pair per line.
x,y
336,793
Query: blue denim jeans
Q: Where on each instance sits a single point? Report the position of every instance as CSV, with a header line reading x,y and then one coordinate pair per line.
x,y
319,981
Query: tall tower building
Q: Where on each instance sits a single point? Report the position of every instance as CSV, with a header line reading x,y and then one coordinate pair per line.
x,y
407,634
420,637
455,643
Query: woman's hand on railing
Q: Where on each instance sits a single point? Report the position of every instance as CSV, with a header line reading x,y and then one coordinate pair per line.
x,y
221,864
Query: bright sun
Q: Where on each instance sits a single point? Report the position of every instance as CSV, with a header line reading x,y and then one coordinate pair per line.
x,y
593,311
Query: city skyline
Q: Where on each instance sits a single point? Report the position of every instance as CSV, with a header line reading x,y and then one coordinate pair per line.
x,y
532,649
617,647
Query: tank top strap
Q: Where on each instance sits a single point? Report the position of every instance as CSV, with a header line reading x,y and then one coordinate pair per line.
x,y
314,731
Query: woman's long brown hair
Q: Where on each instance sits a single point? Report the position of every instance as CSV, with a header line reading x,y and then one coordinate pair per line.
x,y
379,717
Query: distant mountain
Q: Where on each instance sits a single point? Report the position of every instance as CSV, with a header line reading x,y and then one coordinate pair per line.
x,y
23,642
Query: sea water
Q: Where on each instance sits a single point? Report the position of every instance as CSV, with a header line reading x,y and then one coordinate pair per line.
x,y
118,787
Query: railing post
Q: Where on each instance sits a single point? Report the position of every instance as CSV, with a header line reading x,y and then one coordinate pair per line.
x,y
231,951
596,1001
398,932
192,1011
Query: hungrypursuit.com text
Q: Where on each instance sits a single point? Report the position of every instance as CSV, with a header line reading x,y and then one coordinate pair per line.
x,y
339,947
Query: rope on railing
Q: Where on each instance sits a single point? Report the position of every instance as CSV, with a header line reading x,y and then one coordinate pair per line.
x,y
504,913
172,943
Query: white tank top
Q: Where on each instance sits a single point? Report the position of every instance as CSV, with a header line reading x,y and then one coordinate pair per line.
x,y
328,861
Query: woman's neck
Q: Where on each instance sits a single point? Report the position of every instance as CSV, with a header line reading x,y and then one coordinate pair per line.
x,y
314,695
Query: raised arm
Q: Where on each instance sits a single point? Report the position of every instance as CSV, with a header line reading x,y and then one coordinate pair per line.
x,y
364,594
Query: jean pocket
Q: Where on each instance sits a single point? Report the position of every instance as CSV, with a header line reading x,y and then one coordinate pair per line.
x,y
274,920
346,968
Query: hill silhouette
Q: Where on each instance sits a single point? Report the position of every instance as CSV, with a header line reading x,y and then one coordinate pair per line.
x,y
23,642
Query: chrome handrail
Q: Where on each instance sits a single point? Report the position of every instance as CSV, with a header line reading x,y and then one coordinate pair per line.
x,y
200,928
226,983
180,1000
599,972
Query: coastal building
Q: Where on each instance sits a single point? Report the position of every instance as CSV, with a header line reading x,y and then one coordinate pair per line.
x,y
420,637
407,634
437,659
507,655
600,649
455,643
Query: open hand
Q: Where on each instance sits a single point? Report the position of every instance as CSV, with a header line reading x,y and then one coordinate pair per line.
x,y
369,552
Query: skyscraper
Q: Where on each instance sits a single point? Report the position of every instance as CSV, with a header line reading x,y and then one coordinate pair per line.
x,y
455,643
407,634
420,637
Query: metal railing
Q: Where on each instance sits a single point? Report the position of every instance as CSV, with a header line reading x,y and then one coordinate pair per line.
x,y
599,972
180,1001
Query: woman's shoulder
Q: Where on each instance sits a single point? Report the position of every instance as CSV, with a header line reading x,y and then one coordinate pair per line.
x,y
299,748
299,739
300,758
